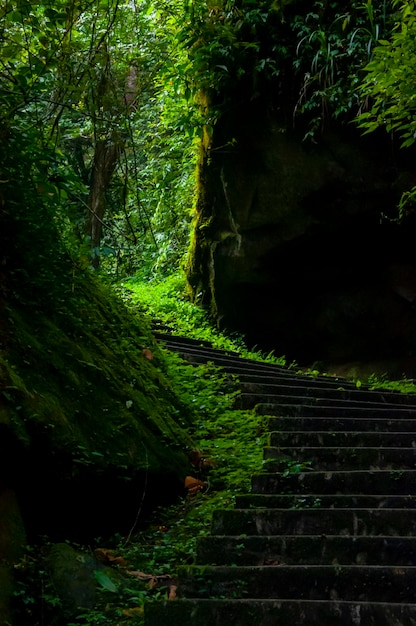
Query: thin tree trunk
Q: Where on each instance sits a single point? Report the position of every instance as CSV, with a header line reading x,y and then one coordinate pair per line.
x,y
106,156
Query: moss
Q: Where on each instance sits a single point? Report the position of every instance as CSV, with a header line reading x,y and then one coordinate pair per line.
x,y
78,380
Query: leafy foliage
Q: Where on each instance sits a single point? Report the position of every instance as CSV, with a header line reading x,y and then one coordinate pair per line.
x,y
232,444
167,302
304,58
389,87
391,81
95,112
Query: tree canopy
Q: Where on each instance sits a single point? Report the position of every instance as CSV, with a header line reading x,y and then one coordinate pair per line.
x,y
96,118
102,104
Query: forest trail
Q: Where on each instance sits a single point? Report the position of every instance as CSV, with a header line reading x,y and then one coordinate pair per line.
x,y
327,534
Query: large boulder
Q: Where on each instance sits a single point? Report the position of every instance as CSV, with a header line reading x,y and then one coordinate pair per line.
x,y
294,243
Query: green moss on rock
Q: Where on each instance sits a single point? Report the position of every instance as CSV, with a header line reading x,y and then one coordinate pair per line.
x,y
85,407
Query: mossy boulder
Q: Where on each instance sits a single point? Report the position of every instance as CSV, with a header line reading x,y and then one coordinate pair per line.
x,y
72,577
295,244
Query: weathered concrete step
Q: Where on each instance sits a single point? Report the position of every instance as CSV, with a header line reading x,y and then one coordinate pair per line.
x,y
305,549
314,521
326,520
400,482
357,583
250,400
190,612
322,392
233,363
342,410
344,438
341,424
253,375
327,458
163,334
222,358
326,501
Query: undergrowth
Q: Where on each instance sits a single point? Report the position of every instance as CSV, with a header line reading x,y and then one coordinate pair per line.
x,y
404,385
167,302
228,449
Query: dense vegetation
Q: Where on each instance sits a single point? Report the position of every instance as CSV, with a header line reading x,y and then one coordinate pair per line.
x,y
102,109
103,105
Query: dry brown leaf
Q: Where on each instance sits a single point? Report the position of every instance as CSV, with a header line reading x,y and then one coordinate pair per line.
x,y
193,485
106,556
136,612
139,575
146,577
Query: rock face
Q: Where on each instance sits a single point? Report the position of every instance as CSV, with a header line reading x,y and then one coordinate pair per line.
x,y
293,246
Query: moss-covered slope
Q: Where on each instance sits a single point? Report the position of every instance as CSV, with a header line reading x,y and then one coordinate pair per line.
x,y
87,411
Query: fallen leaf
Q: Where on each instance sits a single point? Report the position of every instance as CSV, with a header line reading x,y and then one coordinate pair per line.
x,y
136,612
146,577
193,485
106,556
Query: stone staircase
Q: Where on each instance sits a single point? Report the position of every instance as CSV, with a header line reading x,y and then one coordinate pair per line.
x,y
331,545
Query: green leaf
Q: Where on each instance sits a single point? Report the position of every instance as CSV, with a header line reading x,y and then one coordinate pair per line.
x,y
105,582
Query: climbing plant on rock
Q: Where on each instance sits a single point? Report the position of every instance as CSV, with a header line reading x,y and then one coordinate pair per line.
x,y
304,56
389,86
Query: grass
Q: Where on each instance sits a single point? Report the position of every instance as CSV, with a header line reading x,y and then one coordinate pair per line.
x,y
168,302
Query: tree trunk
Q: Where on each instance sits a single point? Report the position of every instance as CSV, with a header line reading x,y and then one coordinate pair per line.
x,y
106,154
105,162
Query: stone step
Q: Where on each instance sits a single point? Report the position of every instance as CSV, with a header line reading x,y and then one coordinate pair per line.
x,y
276,458
322,547
334,395
305,549
342,424
248,401
315,521
370,583
161,333
361,439
393,482
197,352
264,374
189,612
326,501
222,358
282,409
252,375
